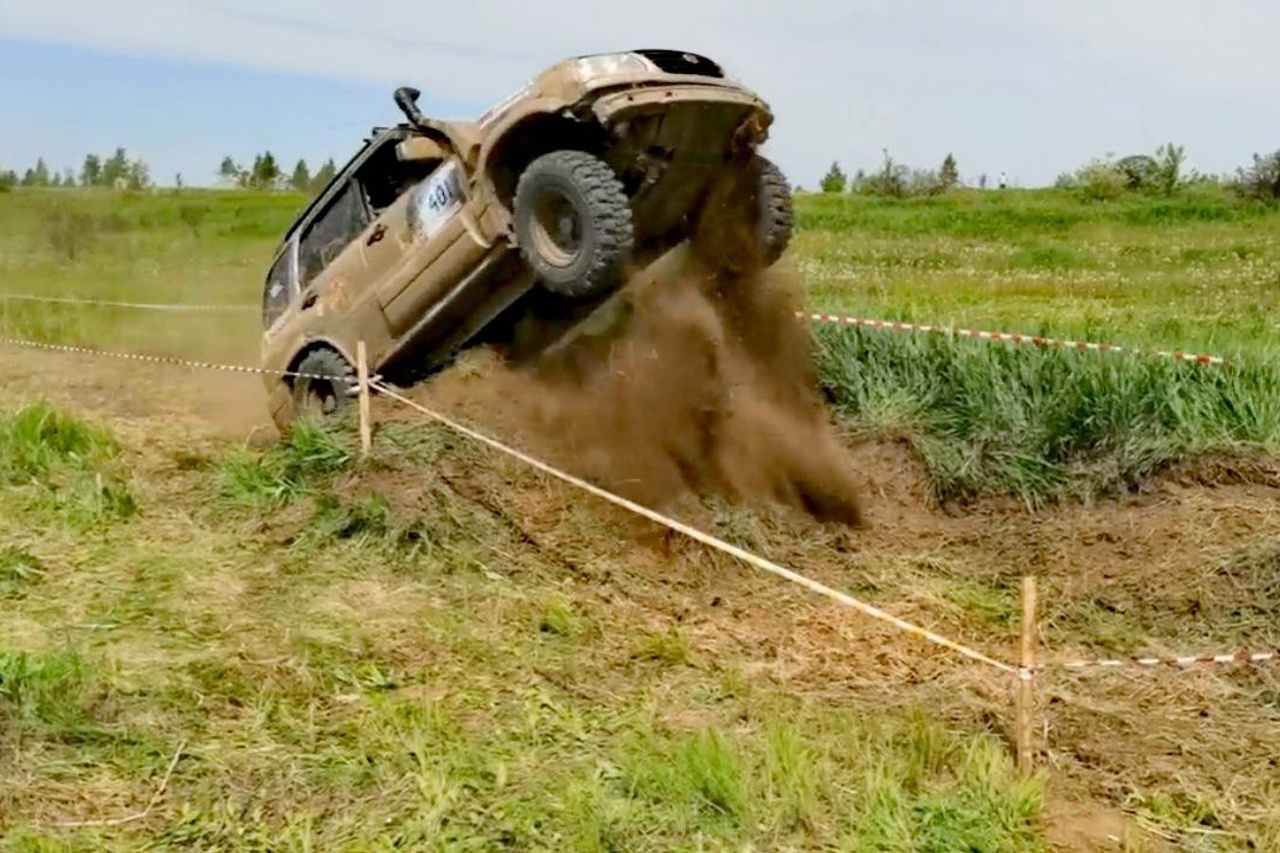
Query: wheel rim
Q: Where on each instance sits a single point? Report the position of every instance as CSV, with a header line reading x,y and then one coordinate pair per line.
x,y
557,229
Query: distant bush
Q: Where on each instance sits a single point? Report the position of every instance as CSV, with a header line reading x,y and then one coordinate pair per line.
x,y
834,180
1101,179
1139,171
1168,177
896,180
949,174
1261,180
1104,178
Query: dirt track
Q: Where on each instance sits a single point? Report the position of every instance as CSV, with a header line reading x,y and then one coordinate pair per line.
x,y
1147,565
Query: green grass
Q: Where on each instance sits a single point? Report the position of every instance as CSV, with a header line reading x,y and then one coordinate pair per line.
x,y
1198,272
193,246
350,671
1044,424
63,464
327,682
311,455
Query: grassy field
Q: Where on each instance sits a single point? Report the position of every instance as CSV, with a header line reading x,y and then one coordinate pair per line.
x,y
434,650
1199,272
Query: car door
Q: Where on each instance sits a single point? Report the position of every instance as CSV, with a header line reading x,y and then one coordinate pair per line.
x,y
437,248
330,264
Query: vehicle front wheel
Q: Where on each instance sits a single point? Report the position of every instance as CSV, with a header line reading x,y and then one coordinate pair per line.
x,y
573,224
323,386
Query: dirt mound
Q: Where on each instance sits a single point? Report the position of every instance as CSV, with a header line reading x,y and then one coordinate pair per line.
x,y
708,388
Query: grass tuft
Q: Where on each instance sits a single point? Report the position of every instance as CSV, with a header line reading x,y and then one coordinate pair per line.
x,y
19,569
67,463
300,465
1043,424
47,692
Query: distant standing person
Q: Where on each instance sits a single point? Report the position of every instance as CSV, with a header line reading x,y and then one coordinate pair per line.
x,y
1003,181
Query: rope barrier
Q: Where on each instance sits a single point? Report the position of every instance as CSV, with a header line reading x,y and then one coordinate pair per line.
x,y
168,360
705,538
1186,662
375,383
1005,337
816,317
145,306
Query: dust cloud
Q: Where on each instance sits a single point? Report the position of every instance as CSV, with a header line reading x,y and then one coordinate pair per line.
x,y
708,389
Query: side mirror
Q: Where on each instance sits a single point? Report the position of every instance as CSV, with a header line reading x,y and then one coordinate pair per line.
x,y
407,101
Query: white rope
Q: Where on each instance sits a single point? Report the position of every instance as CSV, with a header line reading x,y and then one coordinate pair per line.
x,y
1183,662
678,526
170,360
705,538
1004,337
145,306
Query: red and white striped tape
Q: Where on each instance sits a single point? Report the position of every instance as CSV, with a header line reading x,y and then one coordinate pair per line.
x,y
1183,662
1004,337
167,359
145,306
817,317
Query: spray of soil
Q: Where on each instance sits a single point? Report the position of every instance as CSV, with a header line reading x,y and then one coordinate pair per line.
x,y
707,388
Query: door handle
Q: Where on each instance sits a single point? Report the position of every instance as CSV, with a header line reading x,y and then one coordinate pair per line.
x,y
379,231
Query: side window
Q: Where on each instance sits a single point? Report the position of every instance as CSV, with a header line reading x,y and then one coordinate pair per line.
x,y
385,178
330,232
276,296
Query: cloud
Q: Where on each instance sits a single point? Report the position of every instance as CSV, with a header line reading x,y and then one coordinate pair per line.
x,y
1029,86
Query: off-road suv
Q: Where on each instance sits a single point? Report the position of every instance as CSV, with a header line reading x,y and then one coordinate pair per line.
x,y
440,234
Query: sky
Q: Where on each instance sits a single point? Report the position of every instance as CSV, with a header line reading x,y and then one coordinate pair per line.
x,y
1033,88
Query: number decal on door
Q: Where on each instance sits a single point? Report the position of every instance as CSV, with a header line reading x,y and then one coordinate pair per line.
x,y
436,199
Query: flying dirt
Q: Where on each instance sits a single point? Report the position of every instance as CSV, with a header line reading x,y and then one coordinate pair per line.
x,y
707,389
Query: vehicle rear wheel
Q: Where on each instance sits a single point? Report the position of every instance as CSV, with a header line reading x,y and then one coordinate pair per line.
x,y
573,223
748,217
324,386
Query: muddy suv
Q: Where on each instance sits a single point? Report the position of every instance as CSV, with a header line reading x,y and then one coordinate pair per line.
x,y
440,234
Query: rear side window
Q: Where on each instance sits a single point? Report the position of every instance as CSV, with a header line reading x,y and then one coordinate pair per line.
x,y
278,292
338,224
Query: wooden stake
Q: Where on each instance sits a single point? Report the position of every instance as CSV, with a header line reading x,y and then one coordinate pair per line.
x,y
362,373
1026,680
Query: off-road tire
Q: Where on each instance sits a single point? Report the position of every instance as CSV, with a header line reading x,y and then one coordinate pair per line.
x,y
584,187
747,218
775,210
314,397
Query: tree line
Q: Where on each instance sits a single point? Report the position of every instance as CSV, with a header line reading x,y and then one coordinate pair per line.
x,y
116,170
265,174
1162,173
119,171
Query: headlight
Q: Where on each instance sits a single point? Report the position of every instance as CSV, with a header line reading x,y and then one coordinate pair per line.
x,y
591,68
